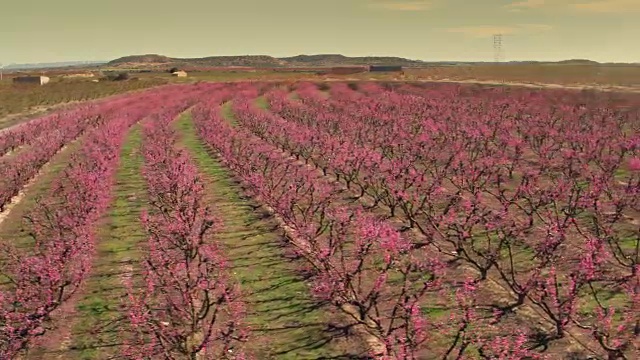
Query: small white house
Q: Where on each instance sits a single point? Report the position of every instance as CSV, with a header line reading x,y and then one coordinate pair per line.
x,y
179,73
40,80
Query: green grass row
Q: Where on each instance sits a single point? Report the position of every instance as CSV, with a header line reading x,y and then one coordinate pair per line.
x,y
286,322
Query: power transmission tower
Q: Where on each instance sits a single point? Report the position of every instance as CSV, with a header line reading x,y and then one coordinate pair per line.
x,y
498,55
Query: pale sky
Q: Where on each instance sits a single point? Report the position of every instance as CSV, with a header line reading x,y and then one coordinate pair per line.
x,y
432,30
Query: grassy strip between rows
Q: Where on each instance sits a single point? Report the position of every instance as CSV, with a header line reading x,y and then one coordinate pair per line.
x,y
227,112
286,323
96,329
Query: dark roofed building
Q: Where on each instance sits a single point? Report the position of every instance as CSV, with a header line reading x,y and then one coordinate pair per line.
x,y
345,70
385,68
40,80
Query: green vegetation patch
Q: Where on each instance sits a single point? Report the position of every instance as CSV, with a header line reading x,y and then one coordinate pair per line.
x,y
98,314
262,103
286,322
227,113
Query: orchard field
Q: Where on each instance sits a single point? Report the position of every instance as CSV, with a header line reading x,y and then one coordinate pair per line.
x,y
256,220
19,102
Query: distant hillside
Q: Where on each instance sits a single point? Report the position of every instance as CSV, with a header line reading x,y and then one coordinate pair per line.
x,y
313,61
262,61
52,65
578,62
243,61
142,59
299,61
337,59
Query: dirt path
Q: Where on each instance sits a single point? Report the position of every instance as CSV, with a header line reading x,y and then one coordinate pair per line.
x,y
21,195
286,322
14,119
535,85
606,88
11,217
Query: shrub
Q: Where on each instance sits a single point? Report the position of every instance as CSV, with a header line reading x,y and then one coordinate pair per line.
x,y
121,76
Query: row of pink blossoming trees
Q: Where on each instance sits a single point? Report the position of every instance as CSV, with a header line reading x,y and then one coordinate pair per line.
x,y
360,263
39,279
187,306
40,275
541,200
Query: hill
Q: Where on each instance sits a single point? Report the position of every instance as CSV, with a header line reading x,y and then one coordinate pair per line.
x,y
53,65
337,59
578,62
262,61
142,59
314,61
